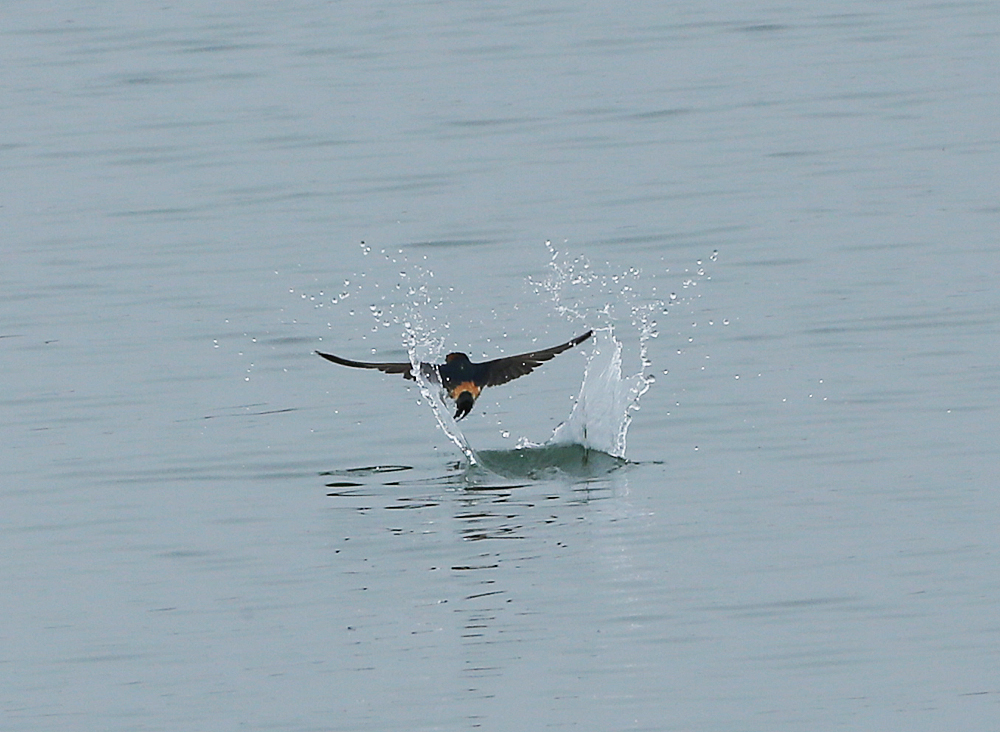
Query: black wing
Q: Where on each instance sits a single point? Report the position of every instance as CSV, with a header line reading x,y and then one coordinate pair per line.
x,y
509,368
406,369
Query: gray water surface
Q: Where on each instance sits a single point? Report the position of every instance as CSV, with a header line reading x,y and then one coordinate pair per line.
x,y
205,526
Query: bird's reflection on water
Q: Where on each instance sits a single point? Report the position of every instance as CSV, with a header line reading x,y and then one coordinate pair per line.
x,y
480,536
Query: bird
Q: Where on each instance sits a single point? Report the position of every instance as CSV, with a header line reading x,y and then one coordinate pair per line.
x,y
461,378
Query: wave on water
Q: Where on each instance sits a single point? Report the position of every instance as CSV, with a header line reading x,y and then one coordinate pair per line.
x,y
549,460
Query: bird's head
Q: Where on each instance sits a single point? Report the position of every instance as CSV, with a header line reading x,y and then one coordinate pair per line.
x,y
451,357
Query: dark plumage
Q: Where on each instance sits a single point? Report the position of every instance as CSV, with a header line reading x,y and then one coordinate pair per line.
x,y
463,379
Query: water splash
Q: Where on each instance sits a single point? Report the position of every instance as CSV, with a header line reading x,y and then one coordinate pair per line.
x,y
603,410
424,345
434,395
621,308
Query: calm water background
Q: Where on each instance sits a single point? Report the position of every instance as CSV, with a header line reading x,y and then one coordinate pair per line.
x,y
808,537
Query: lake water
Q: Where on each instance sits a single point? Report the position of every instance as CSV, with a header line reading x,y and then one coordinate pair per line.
x,y
790,211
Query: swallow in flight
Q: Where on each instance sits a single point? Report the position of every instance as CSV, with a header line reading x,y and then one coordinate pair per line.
x,y
463,379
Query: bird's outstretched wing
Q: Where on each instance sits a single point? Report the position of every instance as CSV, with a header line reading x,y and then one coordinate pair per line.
x,y
509,368
429,370
406,369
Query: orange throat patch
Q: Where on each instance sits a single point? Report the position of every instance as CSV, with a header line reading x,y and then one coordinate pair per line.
x,y
469,386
